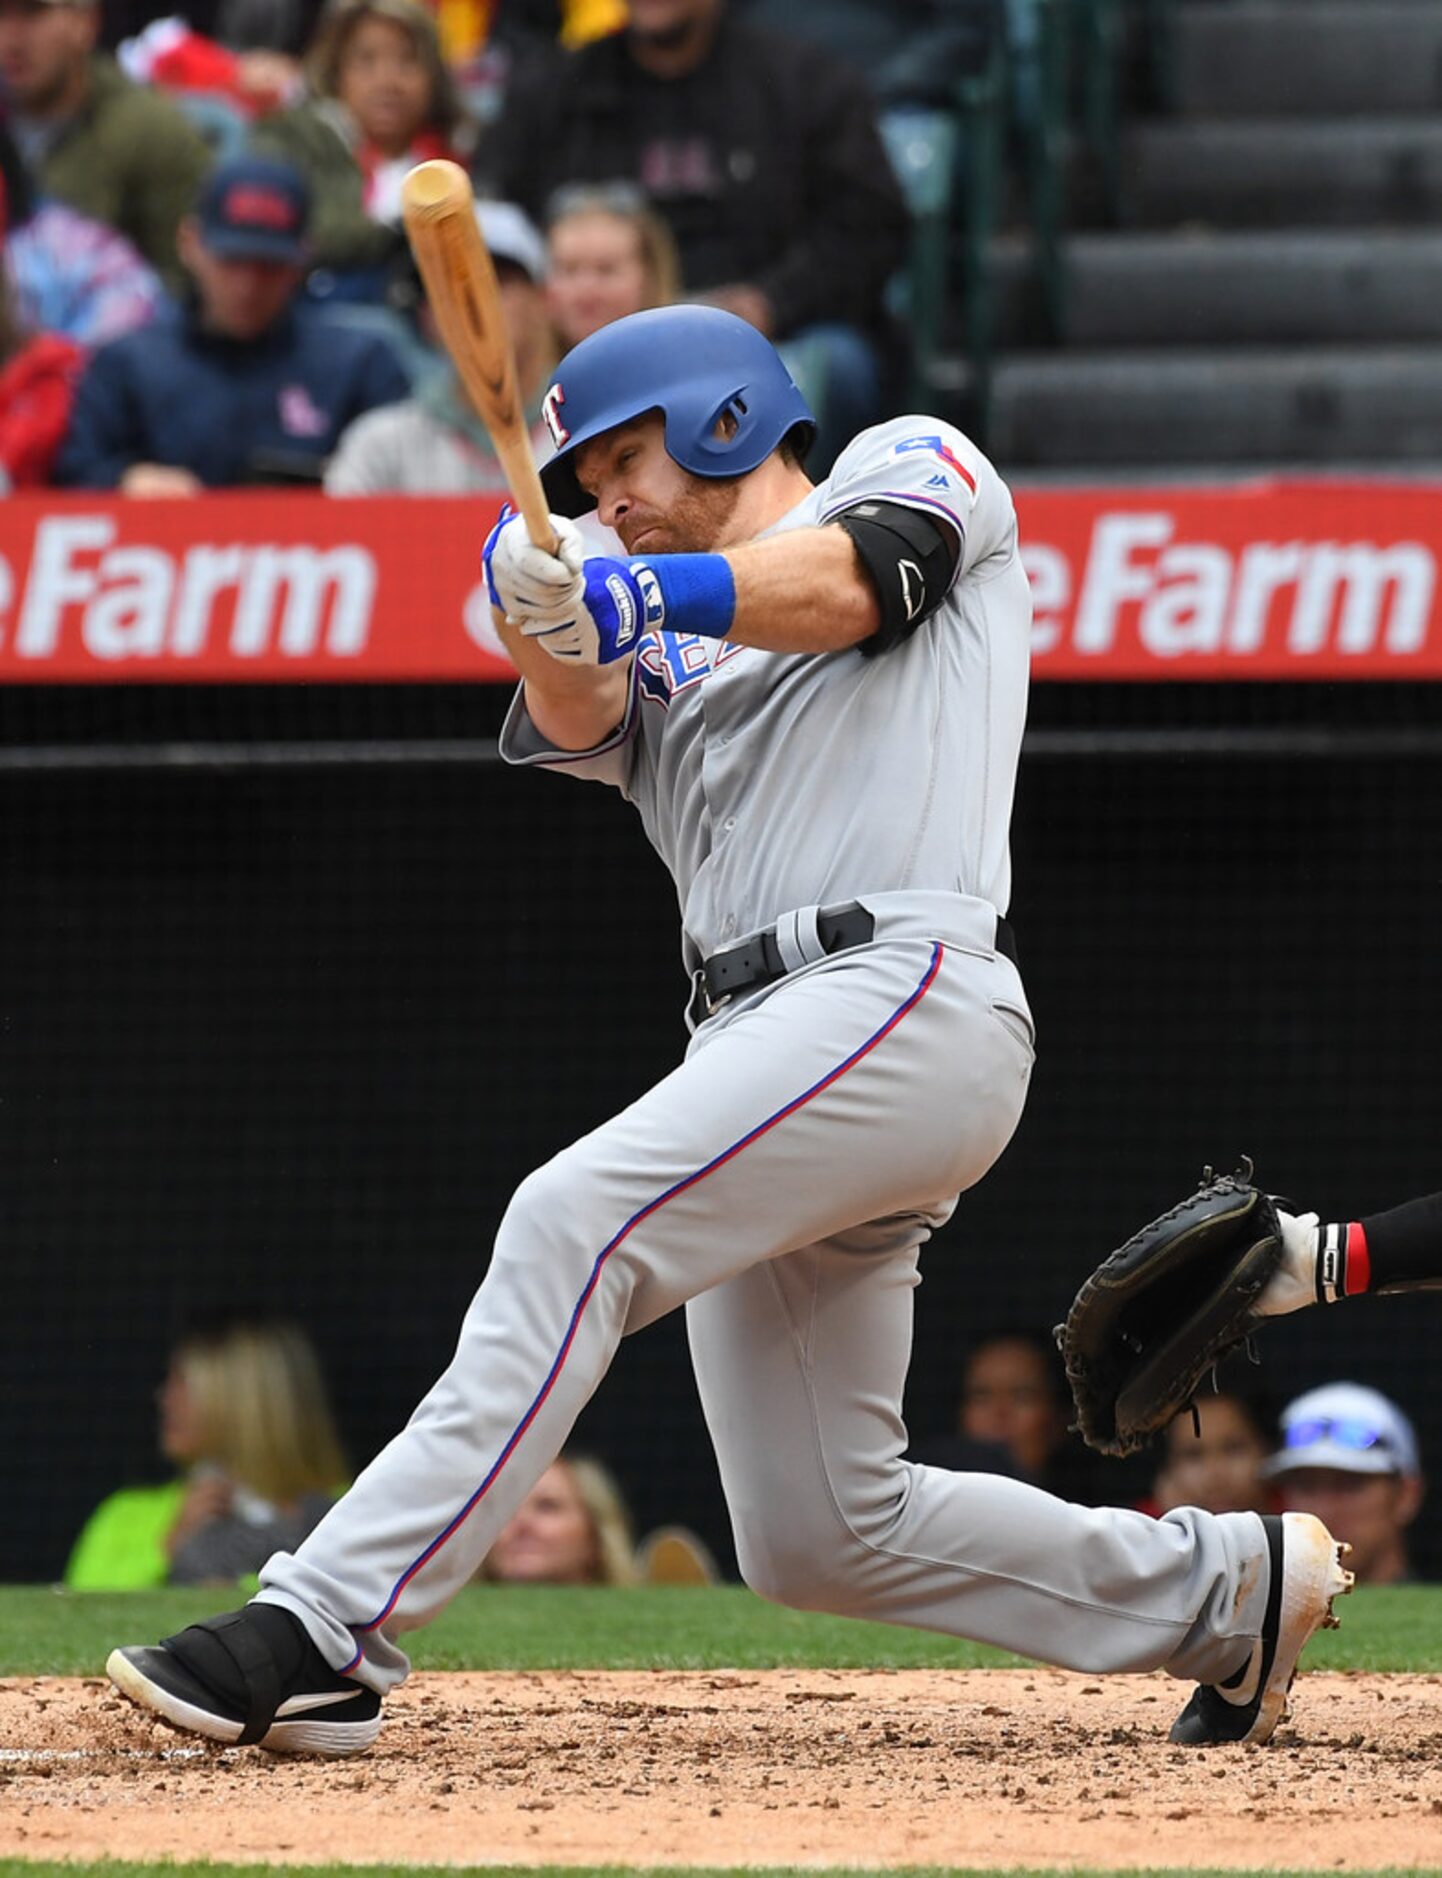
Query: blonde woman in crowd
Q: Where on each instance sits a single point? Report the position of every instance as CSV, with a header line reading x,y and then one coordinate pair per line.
x,y
245,1417
572,1528
610,254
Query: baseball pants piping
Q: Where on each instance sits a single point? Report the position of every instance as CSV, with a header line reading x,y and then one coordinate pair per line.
x,y
779,1183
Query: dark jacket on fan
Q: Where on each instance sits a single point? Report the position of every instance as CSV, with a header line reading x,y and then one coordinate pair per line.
x,y
233,412
765,161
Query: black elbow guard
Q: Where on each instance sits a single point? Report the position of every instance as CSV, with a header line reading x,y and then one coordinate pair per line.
x,y
910,559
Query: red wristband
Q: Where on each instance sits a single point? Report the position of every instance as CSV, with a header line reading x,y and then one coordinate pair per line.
x,y
1359,1261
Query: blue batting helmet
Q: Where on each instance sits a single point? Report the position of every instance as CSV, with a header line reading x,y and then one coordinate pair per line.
x,y
691,363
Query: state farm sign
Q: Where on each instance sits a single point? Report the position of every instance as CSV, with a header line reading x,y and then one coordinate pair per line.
x,y
1264,580
245,587
1276,579
145,602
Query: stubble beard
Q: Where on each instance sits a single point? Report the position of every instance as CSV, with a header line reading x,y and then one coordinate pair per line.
x,y
697,522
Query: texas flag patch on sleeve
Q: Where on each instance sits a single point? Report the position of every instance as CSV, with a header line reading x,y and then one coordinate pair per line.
x,y
938,447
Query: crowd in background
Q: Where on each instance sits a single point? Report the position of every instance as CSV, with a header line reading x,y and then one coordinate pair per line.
x,y
205,281
248,1436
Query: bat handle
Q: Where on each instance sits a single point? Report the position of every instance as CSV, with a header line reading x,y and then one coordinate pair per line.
x,y
537,517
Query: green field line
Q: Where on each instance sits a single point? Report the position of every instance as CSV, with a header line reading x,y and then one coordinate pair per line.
x,y
44,1631
118,1868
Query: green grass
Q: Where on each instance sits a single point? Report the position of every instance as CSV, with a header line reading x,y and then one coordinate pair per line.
x,y
48,1632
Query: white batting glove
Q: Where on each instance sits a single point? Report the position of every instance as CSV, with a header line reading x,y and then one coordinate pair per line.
x,y
525,582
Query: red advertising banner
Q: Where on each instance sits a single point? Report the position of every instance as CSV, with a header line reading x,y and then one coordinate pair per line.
x,y
245,587
1266,579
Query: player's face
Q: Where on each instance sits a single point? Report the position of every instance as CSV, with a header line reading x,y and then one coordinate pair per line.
x,y
1220,1470
549,1540
654,505
384,83
41,48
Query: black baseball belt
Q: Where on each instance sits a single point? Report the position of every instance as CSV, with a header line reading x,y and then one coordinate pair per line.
x,y
757,961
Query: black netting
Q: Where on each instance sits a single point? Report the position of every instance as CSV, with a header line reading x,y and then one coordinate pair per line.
x,y
290,1036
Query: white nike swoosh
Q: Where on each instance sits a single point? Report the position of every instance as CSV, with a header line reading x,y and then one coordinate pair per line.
x,y
326,1698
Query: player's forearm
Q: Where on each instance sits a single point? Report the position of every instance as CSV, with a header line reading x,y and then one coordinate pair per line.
x,y
573,707
802,591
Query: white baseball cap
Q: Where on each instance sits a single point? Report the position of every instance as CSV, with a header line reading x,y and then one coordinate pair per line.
x,y
1348,1428
512,236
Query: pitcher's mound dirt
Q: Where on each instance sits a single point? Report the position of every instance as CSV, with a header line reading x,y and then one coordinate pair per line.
x,y
1018,1767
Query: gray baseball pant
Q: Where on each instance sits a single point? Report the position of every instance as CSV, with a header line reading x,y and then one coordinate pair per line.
x,y
780,1184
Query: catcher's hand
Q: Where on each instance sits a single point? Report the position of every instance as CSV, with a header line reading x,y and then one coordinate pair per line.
x,y
1165,1308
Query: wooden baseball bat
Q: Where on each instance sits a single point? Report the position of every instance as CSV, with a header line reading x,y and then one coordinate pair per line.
x,y
440,218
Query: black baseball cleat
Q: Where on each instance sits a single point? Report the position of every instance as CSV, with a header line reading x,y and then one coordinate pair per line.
x,y
251,1676
1307,1573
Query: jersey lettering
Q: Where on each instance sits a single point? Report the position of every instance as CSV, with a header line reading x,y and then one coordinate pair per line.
x,y
669,663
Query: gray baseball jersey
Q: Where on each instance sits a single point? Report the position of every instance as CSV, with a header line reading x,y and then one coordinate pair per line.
x,y
781,1181
770,780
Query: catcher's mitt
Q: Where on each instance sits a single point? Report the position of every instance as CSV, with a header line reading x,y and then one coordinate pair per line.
x,y
1165,1308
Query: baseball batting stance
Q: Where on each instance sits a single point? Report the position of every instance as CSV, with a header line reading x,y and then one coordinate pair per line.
x,y
814,696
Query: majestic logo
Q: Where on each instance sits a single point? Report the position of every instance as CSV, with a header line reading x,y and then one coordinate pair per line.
x,y
913,588
551,411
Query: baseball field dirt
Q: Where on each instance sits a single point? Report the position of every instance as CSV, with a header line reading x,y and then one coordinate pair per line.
x,y
759,1767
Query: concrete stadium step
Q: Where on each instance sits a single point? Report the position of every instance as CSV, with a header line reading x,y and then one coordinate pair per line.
x,y
1328,405
1331,172
1264,58
1252,288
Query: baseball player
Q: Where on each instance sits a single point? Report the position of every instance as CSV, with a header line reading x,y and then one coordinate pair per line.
x,y
814,697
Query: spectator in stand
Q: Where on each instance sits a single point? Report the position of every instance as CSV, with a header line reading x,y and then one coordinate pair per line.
x,y
572,1528
241,384
245,1418
764,157
433,443
67,274
1015,1403
381,100
1349,1455
1219,1462
37,384
115,151
609,254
